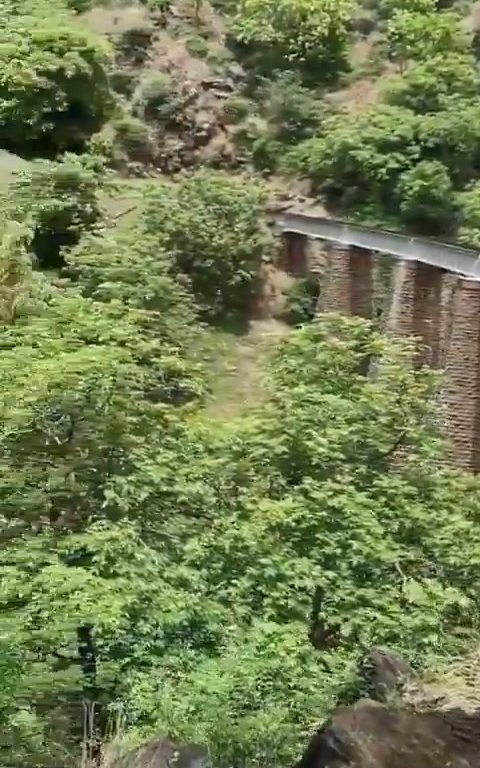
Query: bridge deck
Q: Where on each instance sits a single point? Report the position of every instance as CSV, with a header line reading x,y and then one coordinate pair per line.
x,y
452,258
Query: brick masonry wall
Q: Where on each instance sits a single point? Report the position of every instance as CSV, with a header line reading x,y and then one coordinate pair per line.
x,y
295,249
427,313
400,321
461,394
346,285
361,282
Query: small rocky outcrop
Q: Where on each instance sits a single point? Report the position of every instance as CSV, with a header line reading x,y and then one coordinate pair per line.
x,y
385,673
374,735
405,724
163,753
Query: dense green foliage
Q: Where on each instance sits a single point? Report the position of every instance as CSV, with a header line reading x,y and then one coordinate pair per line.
x,y
227,573
68,96
426,115
58,201
195,553
311,34
211,227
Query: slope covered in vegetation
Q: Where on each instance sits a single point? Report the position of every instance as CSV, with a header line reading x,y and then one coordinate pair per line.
x,y
172,564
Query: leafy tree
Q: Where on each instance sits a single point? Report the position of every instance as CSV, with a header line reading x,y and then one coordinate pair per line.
x,y
67,96
301,301
387,8
425,194
292,111
416,35
452,137
282,33
207,593
212,228
427,86
58,201
469,211
85,384
128,266
361,157
108,582
256,701
326,447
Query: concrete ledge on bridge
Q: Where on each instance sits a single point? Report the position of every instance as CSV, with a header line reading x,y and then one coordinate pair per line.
x,y
451,258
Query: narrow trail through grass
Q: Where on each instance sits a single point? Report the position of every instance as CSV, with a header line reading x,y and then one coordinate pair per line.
x,y
238,366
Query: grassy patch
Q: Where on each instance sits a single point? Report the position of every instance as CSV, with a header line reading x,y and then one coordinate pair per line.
x,y
237,363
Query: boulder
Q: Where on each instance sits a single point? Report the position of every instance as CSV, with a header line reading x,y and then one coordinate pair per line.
x,y
163,753
385,673
374,735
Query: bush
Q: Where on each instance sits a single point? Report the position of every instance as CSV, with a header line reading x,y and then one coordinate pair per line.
x,y
154,98
197,46
59,201
123,81
427,86
237,108
53,84
417,35
128,266
301,302
134,44
425,195
266,153
282,33
360,158
387,8
132,137
468,203
292,111
212,227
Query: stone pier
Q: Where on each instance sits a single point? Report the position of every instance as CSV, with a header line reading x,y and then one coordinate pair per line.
x,y
347,286
295,248
461,393
416,308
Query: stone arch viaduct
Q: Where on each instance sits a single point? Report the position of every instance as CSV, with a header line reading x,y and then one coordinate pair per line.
x,y
418,287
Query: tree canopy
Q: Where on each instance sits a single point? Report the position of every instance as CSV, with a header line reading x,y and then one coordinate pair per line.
x,y
168,567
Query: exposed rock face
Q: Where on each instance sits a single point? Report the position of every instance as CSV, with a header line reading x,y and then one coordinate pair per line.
x,y
374,735
386,673
407,723
165,754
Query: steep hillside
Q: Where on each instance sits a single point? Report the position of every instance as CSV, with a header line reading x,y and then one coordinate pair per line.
x,y
207,511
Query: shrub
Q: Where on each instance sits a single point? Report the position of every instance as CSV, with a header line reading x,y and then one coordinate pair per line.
x,y
282,33
154,97
134,44
212,227
53,84
132,137
417,35
123,81
265,153
387,8
468,203
292,111
301,301
237,108
425,195
360,158
197,46
59,201
426,86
